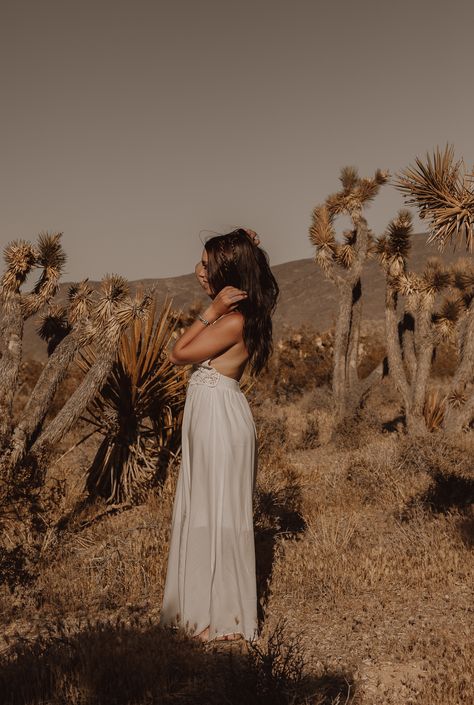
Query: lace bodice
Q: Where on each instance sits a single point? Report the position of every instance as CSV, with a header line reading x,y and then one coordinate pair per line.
x,y
205,374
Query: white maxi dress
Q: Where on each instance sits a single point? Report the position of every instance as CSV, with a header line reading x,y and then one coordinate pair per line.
x,y
211,577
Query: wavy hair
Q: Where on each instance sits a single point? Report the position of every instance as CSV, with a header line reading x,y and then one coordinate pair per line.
x,y
234,260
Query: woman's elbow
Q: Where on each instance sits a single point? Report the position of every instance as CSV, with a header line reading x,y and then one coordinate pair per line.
x,y
175,360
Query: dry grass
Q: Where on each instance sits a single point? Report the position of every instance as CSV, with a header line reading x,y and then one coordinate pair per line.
x,y
364,561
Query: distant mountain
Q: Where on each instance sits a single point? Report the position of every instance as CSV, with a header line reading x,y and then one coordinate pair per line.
x,y
305,295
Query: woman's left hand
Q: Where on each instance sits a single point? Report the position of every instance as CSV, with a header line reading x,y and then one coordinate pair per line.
x,y
227,300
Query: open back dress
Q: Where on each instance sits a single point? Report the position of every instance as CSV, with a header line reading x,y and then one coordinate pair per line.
x,y
211,579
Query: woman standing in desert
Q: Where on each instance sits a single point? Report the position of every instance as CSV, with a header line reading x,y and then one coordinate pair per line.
x,y
210,588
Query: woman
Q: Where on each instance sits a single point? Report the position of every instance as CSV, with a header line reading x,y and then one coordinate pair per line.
x,y
210,588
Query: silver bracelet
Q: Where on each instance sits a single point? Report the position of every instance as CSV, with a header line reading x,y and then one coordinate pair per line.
x,y
203,320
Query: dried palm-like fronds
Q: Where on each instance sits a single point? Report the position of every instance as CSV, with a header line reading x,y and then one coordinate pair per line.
x,y
407,283
457,398
393,247
20,257
447,317
349,177
113,288
138,411
54,325
436,277
462,273
434,409
444,194
345,255
51,257
321,232
322,236
80,301
356,192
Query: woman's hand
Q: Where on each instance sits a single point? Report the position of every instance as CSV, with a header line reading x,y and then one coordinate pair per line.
x,y
227,300
253,235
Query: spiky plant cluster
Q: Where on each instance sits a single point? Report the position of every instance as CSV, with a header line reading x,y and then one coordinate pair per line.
x,y
356,192
443,192
138,411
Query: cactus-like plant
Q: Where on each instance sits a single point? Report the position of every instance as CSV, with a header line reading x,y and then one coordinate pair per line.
x,y
412,334
21,257
342,263
443,192
88,317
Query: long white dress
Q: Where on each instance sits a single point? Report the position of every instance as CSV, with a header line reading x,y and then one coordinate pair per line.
x,y
211,577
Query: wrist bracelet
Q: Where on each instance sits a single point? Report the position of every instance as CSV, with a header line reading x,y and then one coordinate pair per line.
x,y
203,320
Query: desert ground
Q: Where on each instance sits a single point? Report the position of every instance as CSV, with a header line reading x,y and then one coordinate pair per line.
x,y
364,563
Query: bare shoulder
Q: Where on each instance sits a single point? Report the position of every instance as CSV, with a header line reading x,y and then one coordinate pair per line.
x,y
233,321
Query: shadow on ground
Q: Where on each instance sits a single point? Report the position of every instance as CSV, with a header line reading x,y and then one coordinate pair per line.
x,y
120,664
276,516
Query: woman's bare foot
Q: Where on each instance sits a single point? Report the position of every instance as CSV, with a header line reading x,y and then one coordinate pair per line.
x,y
204,635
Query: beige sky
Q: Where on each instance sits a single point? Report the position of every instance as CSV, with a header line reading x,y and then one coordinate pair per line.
x,y
132,126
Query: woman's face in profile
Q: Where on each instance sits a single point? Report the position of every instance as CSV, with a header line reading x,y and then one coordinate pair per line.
x,y
201,272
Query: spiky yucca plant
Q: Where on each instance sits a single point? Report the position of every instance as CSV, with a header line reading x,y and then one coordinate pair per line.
x,y
342,263
138,411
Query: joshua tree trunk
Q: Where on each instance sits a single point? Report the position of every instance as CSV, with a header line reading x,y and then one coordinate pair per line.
x,y
82,396
10,362
34,413
460,408
407,341
346,345
424,352
356,318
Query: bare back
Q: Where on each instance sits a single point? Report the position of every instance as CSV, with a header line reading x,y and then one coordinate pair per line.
x,y
231,362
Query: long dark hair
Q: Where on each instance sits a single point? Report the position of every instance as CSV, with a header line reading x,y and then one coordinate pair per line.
x,y
234,260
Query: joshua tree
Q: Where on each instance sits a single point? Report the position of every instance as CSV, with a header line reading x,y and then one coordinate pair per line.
x,y
342,263
443,192
83,320
412,336
138,410
17,306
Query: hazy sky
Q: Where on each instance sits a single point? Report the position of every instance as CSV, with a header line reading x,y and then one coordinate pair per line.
x,y
131,126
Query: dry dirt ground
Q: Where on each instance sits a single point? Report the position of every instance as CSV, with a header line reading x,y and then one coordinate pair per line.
x,y
364,560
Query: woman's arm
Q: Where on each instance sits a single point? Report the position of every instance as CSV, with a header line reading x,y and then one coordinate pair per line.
x,y
200,342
